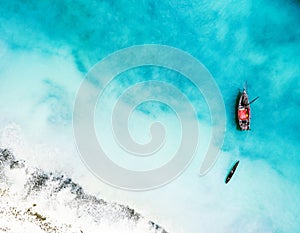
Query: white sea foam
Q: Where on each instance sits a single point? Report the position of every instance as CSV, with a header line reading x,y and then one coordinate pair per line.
x,y
32,200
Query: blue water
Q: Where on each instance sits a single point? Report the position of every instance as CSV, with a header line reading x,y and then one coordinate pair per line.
x,y
47,48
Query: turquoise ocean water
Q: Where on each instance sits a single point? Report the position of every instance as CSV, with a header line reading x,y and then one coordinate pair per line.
x,y
46,49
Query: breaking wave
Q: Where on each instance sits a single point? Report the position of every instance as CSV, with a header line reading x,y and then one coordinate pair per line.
x,y
32,200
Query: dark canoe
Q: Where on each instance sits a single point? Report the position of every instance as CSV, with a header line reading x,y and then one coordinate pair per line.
x,y
232,171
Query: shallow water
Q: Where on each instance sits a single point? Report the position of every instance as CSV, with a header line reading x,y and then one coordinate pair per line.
x,y
47,49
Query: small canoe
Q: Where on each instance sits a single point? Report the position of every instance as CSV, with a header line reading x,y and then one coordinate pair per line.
x,y
243,111
230,174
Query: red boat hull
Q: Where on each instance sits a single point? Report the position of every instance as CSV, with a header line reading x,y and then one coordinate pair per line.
x,y
243,112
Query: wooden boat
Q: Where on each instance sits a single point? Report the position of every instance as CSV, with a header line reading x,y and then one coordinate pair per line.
x,y
243,111
232,171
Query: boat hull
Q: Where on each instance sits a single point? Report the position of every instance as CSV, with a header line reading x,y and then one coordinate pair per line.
x,y
243,111
232,171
